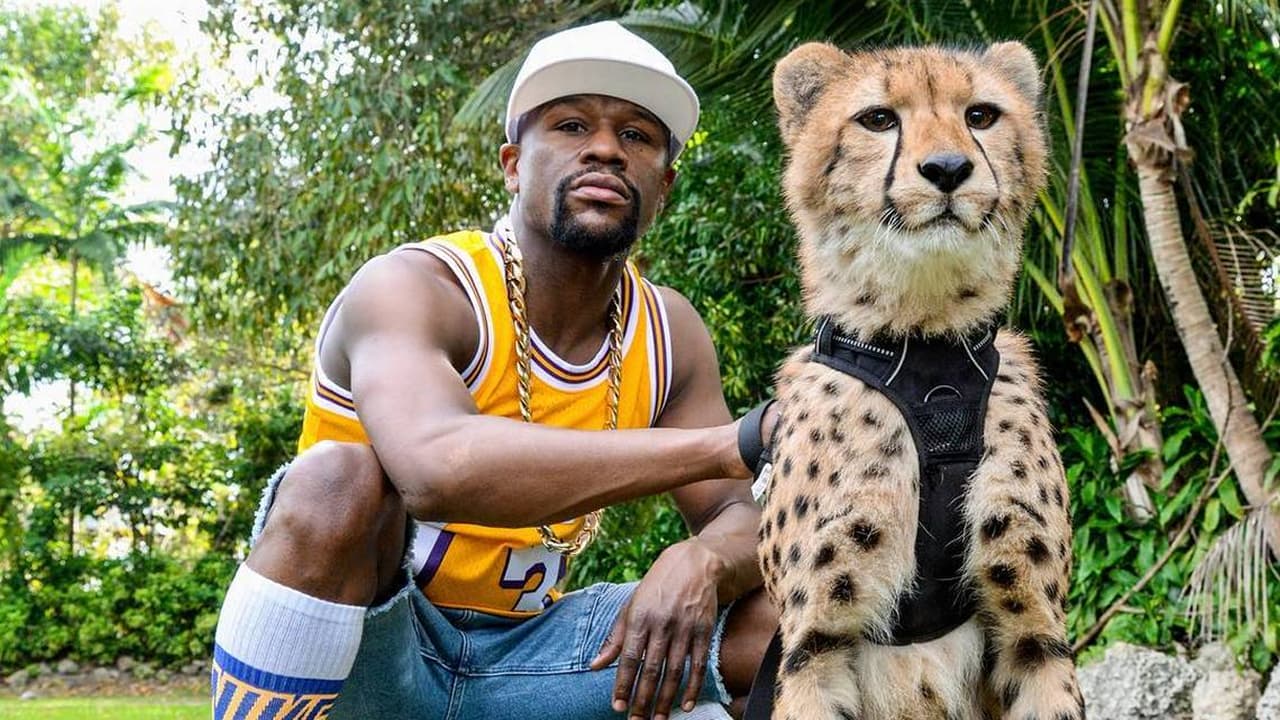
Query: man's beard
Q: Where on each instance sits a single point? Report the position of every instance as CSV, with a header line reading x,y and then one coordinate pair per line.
x,y
567,232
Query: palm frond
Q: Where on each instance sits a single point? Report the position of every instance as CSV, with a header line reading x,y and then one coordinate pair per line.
x,y
727,52
13,259
1253,14
1229,586
488,101
42,240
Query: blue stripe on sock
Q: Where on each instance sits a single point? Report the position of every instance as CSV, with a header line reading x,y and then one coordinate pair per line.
x,y
246,704
220,702
263,680
273,708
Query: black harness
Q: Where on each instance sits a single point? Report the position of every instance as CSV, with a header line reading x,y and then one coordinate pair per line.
x,y
941,388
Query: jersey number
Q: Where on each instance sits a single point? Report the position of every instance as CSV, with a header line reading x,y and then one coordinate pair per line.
x,y
523,565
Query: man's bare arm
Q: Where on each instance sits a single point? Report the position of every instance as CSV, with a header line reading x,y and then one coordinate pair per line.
x,y
449,462
672,613
720,512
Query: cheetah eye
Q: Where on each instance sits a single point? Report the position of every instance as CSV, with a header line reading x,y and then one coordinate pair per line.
x,y
981,117
877,119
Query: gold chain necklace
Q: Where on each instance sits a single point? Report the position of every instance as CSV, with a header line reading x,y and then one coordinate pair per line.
x,y
513,263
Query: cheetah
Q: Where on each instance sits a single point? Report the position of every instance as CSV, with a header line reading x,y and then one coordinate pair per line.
x,y
910,176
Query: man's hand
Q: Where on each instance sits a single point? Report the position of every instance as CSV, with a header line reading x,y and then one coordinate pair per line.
x,y
670,618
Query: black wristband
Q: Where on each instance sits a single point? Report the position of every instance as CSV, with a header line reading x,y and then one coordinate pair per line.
x,y
750,442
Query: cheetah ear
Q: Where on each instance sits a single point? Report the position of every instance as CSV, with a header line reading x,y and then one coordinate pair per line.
x,y
1015,61
800,79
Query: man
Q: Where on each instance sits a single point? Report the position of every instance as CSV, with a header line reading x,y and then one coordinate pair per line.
x,y
469,375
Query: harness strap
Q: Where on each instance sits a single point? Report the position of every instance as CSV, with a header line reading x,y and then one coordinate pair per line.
x,y
760,701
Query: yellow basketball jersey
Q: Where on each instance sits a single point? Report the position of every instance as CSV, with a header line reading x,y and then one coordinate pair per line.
x,y
507,571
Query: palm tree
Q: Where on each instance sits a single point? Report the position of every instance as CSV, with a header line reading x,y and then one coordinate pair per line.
x,y
1141,34
56,199
57,205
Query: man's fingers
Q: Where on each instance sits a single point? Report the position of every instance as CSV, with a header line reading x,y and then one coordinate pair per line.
x,y
612,644
699,653
630,660
671,679
650,674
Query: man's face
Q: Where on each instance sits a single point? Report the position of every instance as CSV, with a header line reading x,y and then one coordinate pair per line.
x,y
590,170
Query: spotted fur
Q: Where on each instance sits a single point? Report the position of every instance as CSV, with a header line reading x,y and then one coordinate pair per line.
x,y
888,249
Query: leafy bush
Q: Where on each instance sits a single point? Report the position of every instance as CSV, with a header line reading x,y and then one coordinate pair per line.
x,y
1112,553
145,606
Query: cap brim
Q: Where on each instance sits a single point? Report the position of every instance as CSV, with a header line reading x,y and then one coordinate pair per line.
x,y
669,98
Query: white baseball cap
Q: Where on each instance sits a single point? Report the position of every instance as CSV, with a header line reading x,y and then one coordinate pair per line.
x,y
604,59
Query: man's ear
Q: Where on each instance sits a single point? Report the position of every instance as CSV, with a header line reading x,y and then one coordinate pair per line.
x,y
800,79
668,182
509,157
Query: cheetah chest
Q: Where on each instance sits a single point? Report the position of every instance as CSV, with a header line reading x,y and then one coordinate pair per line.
x,y
879,440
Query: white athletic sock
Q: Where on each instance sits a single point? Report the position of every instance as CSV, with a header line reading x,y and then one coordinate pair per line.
x,y
279,652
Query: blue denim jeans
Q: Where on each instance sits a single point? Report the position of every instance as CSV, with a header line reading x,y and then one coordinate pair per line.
x,y
423,662
420,661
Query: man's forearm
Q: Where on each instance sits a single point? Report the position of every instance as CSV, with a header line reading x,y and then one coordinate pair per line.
x,y
732,536
498,472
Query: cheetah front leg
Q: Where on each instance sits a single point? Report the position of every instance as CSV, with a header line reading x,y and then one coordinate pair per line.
x,y
1020,551
838,535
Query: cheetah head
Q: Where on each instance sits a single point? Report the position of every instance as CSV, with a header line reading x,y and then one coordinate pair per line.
x,y
910,176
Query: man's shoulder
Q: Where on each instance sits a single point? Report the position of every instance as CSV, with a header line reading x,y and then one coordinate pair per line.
x,y
692,351
403,277
681,314
402,266
466,241
410,294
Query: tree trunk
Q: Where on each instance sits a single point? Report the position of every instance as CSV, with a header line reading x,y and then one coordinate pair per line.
x,y
1241,435
75,287
71,396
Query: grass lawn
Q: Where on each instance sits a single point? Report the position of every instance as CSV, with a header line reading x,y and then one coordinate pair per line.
x,y
128,708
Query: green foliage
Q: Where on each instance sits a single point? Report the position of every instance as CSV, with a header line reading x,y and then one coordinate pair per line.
x,y
108,346
634,535
1111,554
62,161
725,242
360,156
121,524
145,606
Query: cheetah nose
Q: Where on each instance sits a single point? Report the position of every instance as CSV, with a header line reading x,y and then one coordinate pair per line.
x,y
946,170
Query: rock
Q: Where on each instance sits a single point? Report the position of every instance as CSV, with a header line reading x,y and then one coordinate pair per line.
x,y
144,671
163,675
18,679
29,695
1223,692
1133,683
103,674
1269,705
192,668
67,667
124,663
43,670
